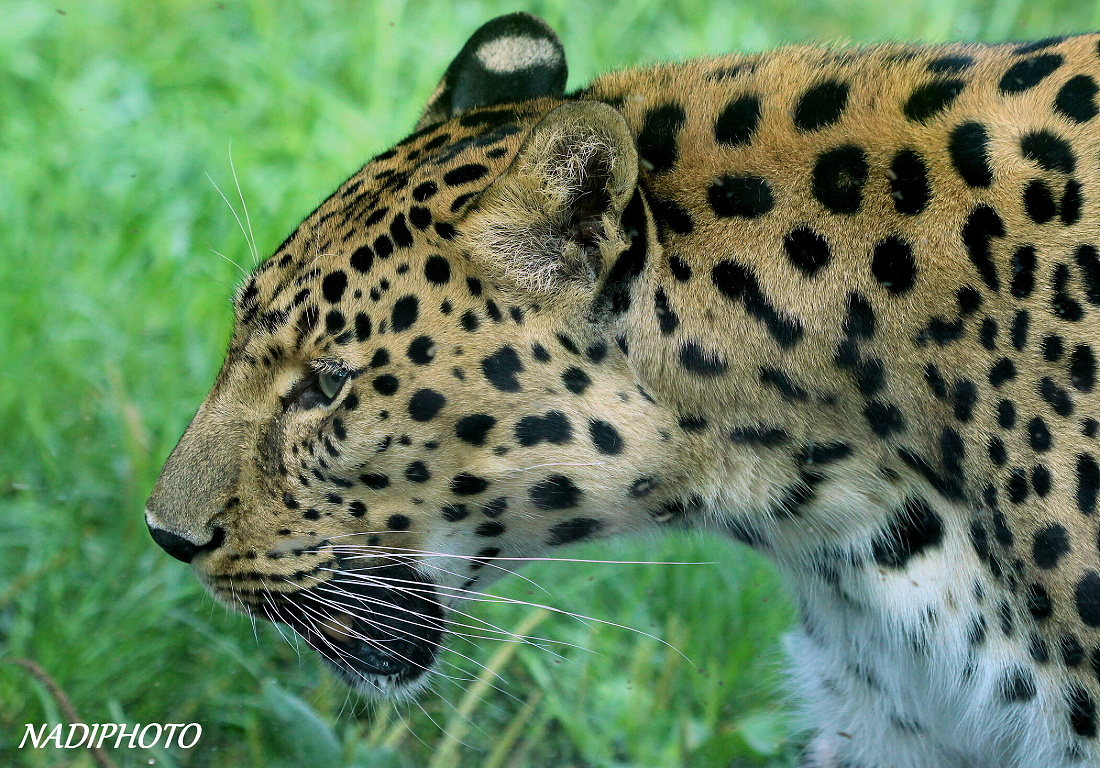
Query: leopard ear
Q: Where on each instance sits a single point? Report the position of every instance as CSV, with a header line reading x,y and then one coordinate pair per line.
x,y
511,58
555,218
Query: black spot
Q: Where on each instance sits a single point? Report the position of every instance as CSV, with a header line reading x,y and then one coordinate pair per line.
x,y
424,191
1023,271
697,360
553,427
577,529
741,196
1039,202
464,174
496,507
362,259
838,178
937,385
821,106
1038,602
539,353
1058,398
362,327
437,270
969,150
1001,371
501,369
383,247
768,437
737,122
1053,348
1089,264
596,352
469,321
1051,152
914,529
1088,483
422,350
987,334
963,397
465,484
575,380
490,528
1016,486
1070,206
1071,651
909,185
472,429
1082,368
380,358
334,321
398,522
1082,709
1020,322
737,283
1040,480
452,513
783,384
421,218
679,268
806,249
605,437
996,450
893,266
417,472
692,423
823,453
1038,435
567,344
657,140
859,323
1076,99
1028,73
1049,545
884,418
945,65
1017,686
1087,598
399,231
386,384
374,481
404,314
555,492
930,99
671,215
666,318
333,285
425,404
1089,427
981,226
445,230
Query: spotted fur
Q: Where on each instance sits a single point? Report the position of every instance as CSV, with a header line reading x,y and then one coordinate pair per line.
x,y
838,303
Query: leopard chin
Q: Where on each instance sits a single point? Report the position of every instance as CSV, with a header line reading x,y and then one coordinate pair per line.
x,y
380,628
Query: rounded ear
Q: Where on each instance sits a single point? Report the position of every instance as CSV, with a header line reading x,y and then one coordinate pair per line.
x,y
556,215
511,58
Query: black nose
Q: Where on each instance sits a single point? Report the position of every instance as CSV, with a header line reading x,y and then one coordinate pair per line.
x,y
181,548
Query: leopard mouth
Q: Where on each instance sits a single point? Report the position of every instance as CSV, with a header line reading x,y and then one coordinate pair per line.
x,y
380,629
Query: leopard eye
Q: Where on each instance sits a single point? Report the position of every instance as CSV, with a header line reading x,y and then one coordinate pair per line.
x,y
331,383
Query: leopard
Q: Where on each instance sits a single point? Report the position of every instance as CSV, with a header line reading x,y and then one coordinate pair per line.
x,y
835,302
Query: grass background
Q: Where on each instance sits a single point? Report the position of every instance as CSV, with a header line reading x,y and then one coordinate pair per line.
x,y
113,314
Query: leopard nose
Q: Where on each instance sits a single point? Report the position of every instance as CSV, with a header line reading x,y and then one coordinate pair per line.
x,y
182,548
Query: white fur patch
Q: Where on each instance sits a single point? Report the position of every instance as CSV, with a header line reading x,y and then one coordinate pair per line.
x,y
509,54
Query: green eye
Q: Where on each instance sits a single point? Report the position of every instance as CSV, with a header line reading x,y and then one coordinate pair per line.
x,y
330,383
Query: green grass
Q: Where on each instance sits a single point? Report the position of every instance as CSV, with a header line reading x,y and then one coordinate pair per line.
x,y
113,314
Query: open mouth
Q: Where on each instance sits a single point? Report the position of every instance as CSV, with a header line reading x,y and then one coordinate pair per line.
x,y
380,628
